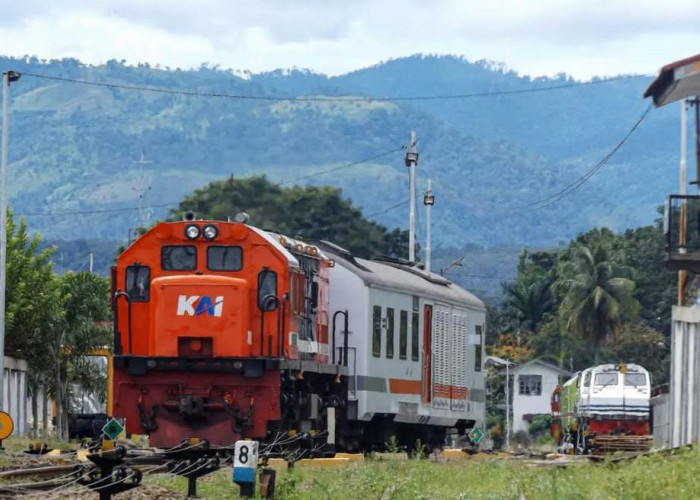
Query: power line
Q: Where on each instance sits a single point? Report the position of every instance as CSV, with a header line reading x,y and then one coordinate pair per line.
x,y
551,199
348,165
193,93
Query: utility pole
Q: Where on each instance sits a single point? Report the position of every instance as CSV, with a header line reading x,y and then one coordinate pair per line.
x,y
411,162
142,186
91,262
683,181
7,78
428,201
507,405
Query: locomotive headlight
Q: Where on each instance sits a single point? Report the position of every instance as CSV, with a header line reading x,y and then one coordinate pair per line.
x,y
210,232
192,232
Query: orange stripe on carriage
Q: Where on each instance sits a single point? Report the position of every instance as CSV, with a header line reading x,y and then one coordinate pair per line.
x,y
441,391
458,392
402,386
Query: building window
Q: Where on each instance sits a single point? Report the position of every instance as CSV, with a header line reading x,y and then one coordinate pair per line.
x,y
221,258
530,385
376,331
477,350
389,332
403,335
178,258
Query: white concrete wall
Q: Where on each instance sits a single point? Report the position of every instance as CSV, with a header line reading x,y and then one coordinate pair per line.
x,y
660,410
684,420
523,404
14,399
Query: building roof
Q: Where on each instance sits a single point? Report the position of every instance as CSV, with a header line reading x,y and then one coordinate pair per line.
x,y
541,363
677,80
496,361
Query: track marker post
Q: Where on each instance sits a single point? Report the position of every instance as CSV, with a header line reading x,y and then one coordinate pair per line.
x,y
245,463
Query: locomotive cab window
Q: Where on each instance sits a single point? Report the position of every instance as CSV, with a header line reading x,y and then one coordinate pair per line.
x,y
224,258
635,379
267,290
138,283
605,379
178,258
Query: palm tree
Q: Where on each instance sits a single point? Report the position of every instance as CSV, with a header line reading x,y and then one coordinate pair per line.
x,y
528,302
599,297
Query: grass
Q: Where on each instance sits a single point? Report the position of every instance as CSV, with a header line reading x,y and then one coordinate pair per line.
x,y
657,476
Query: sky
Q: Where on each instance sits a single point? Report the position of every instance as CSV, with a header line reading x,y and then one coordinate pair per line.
x,y
582,38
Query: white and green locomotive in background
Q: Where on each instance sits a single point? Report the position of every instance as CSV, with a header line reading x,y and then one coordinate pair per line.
x,y
607,403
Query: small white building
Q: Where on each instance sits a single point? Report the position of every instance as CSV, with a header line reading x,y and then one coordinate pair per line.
x,y
532,385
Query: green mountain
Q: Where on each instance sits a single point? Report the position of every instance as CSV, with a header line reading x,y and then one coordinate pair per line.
x,y
73,147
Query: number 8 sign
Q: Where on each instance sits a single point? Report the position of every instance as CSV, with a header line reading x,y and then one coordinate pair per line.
x,y
245,461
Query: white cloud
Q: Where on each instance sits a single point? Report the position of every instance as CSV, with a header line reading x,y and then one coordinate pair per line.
x,y
582,38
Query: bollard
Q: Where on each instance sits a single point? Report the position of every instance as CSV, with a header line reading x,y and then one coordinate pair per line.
x,y
267,483
245,462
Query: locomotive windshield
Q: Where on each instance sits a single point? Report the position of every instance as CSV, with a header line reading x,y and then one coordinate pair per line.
x,y
178,258
635,379
605,379
221,258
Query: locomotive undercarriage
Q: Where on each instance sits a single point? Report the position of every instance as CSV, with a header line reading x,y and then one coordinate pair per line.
x,y
222,400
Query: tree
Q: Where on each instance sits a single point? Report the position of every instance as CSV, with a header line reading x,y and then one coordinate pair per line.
x,y
599,295
528,302
78,329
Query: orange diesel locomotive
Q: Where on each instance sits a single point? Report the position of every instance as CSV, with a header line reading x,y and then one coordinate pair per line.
x,y
221,331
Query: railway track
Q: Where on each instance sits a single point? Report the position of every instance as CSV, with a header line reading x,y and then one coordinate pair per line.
x,y
115,468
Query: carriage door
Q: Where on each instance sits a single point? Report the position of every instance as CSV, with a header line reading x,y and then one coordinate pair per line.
x,y
427,339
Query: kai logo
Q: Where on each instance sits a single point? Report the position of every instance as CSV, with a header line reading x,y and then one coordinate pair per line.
x,y
194,305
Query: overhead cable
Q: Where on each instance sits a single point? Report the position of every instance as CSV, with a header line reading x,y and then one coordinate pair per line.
x,y
553,198
193,93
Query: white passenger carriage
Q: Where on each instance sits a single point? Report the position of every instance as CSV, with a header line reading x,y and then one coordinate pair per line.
x,y
415,354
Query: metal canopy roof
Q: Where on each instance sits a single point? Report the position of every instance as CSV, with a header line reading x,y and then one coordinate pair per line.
x,y
676,81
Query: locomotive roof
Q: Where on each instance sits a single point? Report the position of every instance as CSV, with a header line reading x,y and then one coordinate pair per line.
x,y
404,279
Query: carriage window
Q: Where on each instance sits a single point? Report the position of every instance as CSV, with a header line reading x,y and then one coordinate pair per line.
x,y
138,283
530,385
477,350
389,333
635,379
376,331
403,335
414,337
221,258
605,379
178,258
587,380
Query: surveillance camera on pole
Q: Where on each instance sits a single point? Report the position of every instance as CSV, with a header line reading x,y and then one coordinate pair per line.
x,y
7,78
411,162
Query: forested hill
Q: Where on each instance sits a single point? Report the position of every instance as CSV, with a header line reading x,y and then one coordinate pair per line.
x,y
73,146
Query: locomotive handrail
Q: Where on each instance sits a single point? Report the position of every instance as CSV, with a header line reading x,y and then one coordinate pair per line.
x,y
117,333
263,310
344,354
280,324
